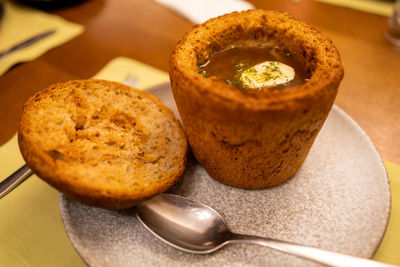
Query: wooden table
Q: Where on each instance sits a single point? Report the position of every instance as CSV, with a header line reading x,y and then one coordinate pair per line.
x,y
148,32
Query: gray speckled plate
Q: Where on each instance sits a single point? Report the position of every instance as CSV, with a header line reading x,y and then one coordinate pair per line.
x,y
339,201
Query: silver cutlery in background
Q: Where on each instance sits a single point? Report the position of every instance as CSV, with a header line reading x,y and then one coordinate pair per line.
x,y
26,43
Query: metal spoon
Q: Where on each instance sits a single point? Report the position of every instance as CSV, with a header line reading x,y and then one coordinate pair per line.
x,y
197,228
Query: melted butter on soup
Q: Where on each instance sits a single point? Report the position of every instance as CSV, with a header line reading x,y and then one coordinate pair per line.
x,y
255,68
266,74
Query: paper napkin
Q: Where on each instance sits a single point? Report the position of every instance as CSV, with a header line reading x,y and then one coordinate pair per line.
x,y
198,11
21,23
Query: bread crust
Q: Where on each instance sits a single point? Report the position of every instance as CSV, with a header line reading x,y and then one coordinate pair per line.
x,y
102,143
253,141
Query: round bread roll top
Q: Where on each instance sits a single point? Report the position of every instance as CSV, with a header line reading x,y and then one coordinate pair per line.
x,y
102,143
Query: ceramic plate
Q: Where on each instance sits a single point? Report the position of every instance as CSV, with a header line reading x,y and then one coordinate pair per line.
x,y
339,200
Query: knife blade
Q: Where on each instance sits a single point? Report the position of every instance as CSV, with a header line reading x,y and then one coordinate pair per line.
x,y
26,43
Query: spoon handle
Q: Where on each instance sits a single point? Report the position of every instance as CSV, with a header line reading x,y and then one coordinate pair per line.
x,y
14,179
317,255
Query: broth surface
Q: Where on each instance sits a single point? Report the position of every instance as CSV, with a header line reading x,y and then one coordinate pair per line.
x,y
227,65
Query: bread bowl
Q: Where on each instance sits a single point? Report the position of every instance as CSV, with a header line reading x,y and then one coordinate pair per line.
x,y
259,139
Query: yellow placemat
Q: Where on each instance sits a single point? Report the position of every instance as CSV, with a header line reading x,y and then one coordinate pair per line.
x,y
379,7
119,68
31,230
21,23
390,247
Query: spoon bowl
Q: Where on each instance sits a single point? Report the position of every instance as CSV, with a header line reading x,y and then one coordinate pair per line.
x,y
197,228
183,223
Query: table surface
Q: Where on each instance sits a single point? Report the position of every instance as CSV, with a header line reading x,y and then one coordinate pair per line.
x,y
148,32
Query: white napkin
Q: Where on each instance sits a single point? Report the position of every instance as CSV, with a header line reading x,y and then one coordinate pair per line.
x,y
199,11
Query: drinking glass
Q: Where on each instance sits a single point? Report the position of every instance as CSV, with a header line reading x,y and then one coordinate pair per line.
x,y
393,33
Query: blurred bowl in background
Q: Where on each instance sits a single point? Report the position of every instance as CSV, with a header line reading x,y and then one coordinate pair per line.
x,y
45,4
1,10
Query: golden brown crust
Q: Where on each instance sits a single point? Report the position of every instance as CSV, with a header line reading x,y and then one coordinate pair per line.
x,y
102,143
247,140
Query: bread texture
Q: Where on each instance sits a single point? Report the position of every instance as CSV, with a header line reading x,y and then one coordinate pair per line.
x,y
260,139
102,143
